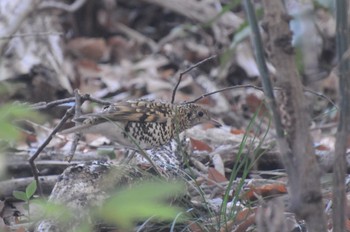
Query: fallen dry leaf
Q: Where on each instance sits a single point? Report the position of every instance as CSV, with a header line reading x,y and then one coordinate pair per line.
x,y
264,191
215,177
200,146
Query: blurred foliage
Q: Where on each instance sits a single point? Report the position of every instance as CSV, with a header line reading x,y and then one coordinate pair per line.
x,y
124,208
9,113
9,133
141,202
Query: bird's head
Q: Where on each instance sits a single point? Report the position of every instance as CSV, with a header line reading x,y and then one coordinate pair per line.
x,y
193,114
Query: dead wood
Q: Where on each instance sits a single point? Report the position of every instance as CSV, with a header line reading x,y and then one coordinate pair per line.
x,y
7,187
298,155
342,138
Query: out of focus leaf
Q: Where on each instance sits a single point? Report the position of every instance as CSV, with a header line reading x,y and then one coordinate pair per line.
x,y
140,202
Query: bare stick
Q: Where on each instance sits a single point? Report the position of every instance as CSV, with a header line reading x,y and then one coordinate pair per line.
x,y
186,71
35,171
45,33
84,97
49,105
87,97
77,114
322,96
222,90
58,5
258,88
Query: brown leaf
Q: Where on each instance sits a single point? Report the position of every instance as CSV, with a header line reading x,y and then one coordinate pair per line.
x,y
254,103
237,131
244,219
89,48
199,145
322,147
264,191
194,227
215,177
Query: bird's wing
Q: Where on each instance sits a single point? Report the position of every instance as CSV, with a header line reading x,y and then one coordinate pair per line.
x,y
132,111
129,111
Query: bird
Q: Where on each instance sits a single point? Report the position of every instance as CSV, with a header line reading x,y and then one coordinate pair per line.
x,y
142,124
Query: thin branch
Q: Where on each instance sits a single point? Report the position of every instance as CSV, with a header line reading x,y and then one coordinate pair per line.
x,y
87,97
36,34
222,90
35,171
49,105
62,6
77,114
84,97
261,89
186,71
321,96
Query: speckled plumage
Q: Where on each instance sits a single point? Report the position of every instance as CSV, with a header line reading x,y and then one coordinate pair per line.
x,y
142,123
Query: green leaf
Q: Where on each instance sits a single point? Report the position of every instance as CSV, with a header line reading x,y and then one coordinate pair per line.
x,y
20,195
141,202
8,131
31,188
15,111
11,112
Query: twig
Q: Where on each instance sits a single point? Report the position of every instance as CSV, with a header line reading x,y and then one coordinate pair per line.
x,y
225,89
84,97
322,96
58,5
36,34
77,114
35,171
261,89
87,97
324,126
186,71
45,105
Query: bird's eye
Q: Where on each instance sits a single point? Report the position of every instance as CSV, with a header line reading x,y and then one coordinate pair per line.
x,y
200,114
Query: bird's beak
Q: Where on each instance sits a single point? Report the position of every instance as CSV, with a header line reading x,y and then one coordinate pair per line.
x,y
215,123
